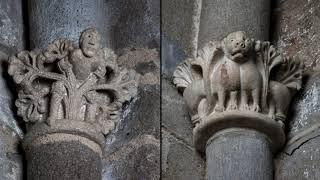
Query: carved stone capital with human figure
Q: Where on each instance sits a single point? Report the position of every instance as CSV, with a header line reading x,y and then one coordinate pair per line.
x,y
66,82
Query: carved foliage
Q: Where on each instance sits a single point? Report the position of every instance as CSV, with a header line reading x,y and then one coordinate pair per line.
x,y
66,82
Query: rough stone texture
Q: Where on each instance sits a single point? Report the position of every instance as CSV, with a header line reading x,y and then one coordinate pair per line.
x,y
305,109
240,154
303,164
12,39
50,20
302,161
179,158
180,161
297,31
134,23
11,26
63,160
11,160
221,17
175,116
133,150
146,62
180,24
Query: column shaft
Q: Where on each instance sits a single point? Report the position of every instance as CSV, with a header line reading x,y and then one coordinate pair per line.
x,y
240,154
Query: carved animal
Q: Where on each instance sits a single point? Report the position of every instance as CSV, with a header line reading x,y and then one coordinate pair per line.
x,y
278,100
237,71
238,66
233,72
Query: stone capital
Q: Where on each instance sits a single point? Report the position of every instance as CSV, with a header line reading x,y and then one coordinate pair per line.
x,y
70,89
238,82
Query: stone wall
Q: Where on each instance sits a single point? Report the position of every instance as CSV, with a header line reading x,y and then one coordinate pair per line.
x,y
296,32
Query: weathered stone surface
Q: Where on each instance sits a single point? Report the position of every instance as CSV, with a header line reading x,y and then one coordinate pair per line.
x,y
305,111
297,31
134,23
239,154
133,150
12,39
146,62
180,161
304,163
171,55
180,26
11,160
63,160
180,23
222,17
12,27
175,116
50,20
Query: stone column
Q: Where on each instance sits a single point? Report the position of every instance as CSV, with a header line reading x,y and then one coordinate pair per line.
x,y
240,154
50,20
238,104
68,105
222,17
231,148
66,110
61,155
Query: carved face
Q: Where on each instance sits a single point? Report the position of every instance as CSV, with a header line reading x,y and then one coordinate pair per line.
x,y
90,42
237,46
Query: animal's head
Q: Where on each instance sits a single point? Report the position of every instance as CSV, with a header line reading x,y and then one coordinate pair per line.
x,y
237,46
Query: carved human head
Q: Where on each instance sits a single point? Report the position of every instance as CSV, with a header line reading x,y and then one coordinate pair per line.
x,y
237,46
90,42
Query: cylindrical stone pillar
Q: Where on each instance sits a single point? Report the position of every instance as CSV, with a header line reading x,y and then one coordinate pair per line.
x,y
239,144
52,152
221,17
50,20
239,154
65,150
242,154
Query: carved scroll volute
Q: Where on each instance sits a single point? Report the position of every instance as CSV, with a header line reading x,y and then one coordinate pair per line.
x,y
238,76
63,81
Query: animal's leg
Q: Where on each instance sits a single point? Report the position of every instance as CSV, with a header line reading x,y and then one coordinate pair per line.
x,y
233,101
221,100
244,101
272,109
256,100
280,115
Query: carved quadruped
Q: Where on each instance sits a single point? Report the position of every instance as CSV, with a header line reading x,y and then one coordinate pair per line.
x,y
71,90
238,82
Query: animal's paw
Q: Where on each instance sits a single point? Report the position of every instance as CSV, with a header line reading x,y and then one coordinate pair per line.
x,y
219,108
255,108
232,106
280,117
281,124
245,107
